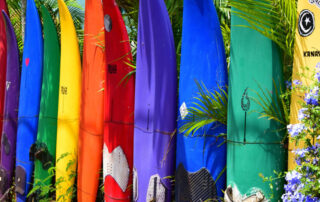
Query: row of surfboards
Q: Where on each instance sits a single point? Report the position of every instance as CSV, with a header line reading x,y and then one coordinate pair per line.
x,y
67,115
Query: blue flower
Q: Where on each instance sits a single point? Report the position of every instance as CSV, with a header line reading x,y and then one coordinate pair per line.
x,y
312,97
296,129
293,177
315,161
288,85
301,152
296,82
302,114
317,76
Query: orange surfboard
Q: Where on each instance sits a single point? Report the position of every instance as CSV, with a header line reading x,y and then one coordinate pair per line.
x,y
92,105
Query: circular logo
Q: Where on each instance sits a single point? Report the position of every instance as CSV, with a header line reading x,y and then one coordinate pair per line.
x,y
306,23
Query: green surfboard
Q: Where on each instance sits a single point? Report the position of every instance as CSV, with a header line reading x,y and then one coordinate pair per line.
x,y
45,147
254,144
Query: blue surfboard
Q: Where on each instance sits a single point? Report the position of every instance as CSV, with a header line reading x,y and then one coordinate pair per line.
x,y
200,159
30,93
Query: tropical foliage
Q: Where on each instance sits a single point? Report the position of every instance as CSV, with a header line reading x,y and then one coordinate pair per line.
x,y
276,20
17,16
208,107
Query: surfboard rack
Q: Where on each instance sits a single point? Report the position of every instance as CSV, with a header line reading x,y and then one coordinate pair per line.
x,y
20,180
39,151
3,180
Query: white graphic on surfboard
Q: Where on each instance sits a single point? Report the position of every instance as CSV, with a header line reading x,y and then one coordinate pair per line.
x,y
306,23
8,83
156,190
183,110
116,165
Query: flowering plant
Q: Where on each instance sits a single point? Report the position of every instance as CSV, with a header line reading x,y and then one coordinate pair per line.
x,y
303,183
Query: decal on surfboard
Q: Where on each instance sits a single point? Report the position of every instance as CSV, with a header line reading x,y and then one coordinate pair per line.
x,y
8,83
196,186
27,61
306,23
112,68
183,110
107,23
156,190
245,105
64,90
116,165
316,2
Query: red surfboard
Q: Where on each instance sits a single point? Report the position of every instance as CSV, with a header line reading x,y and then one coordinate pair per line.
x,y
3,60
119,108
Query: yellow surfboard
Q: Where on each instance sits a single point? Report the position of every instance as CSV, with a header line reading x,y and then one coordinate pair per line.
x,y
69,107
306,57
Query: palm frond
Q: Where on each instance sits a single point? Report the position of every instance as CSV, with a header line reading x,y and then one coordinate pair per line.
x,y
208,107
17,13
275,19
274,106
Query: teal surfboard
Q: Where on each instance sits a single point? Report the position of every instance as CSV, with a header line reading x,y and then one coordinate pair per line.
x,y
254,144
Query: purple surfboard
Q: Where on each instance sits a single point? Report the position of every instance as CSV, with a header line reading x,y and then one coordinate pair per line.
x,y
155,104
11,104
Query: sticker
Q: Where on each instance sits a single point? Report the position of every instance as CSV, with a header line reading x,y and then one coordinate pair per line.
x,y
115,164
317,2
107,23
8,83
112,69
183,110
27,61
306,23
64,90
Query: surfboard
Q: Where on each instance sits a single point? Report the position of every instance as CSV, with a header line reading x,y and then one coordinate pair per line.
x,y
3,61
68,107
45,147
11,104
200,157
29,105
254,144
155,104
304,63
91,118
119,108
